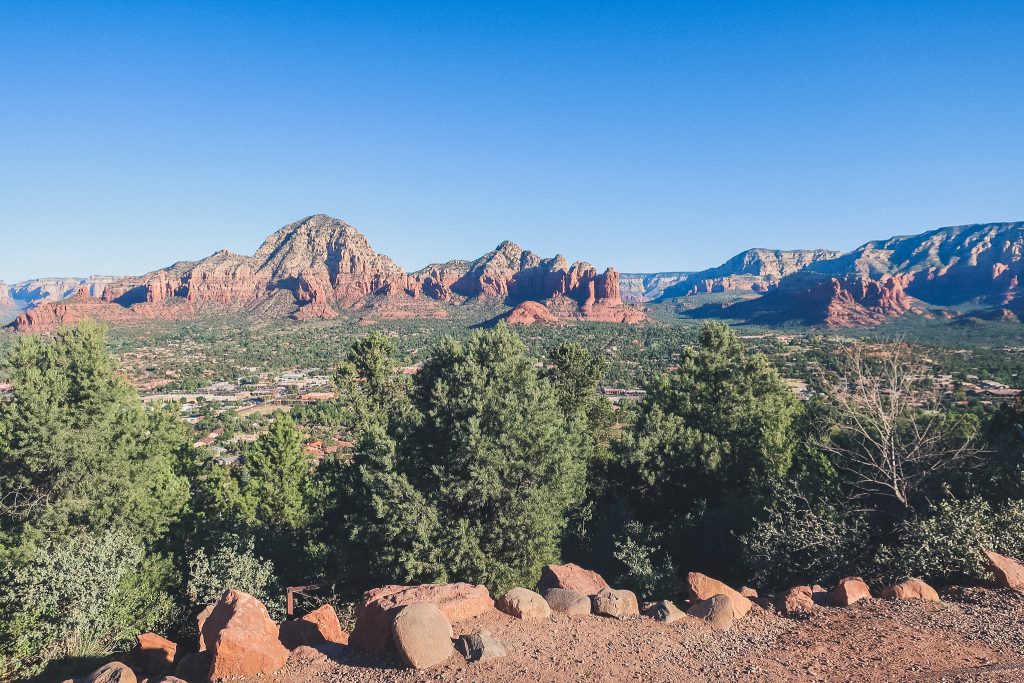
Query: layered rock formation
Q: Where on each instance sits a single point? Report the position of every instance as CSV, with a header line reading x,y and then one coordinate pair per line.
x,y
980,265
320,266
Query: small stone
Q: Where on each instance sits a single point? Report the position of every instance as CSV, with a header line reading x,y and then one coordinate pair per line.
x,y
664,611
480,647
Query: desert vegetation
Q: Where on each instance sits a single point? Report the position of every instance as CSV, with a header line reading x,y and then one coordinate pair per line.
x,y
495,458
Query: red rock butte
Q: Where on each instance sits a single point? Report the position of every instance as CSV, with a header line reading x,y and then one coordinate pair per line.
x,y
319,266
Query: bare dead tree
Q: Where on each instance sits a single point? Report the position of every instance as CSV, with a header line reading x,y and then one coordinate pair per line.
x,y
890,435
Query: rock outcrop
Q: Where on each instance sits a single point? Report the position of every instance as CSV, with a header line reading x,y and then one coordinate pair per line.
x,y
530,313
754,270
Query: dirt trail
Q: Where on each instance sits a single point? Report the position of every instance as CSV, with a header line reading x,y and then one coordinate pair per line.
x,y
977,636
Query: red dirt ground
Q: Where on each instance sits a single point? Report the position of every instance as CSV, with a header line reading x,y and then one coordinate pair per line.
x,y
972,636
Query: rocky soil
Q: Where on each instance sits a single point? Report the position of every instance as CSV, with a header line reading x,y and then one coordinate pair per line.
x,y
972,635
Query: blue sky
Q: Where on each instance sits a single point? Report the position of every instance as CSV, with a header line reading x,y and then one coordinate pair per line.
x,y
646,136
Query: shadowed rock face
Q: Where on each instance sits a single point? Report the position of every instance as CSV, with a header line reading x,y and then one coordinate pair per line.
x,y
322,265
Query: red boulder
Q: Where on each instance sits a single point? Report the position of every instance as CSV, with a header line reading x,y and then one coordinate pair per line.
x,y
1007,572
319,626
911,589
797,600
850,590
154,654
704,588
571,577
242,638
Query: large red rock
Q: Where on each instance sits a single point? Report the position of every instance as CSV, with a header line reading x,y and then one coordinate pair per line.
x,y
321,265
571,577
911,589
319,626
154,654
850,590
457,601
1007,572
704,588
242,638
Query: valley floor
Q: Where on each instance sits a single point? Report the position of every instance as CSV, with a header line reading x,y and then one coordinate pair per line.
x,y
973,635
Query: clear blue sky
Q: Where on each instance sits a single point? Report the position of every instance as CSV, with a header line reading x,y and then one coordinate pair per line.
x,y
641,135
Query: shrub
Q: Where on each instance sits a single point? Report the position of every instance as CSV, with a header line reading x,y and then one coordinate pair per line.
x,y
84,596
946,545
646,568
233,563
800,542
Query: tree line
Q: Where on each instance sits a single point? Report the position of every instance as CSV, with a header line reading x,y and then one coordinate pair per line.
x,y
483,466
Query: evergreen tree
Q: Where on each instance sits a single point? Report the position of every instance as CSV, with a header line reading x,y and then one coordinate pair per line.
x,y
711,440
78,451
475,479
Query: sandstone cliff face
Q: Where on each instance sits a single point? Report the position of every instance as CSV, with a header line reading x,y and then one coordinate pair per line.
x,y
6,300
324,265
836,301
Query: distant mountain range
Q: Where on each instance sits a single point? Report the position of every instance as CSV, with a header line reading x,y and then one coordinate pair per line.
x,y
314,269
320,267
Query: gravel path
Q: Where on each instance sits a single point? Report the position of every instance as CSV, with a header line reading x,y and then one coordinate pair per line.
x,y
971,636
